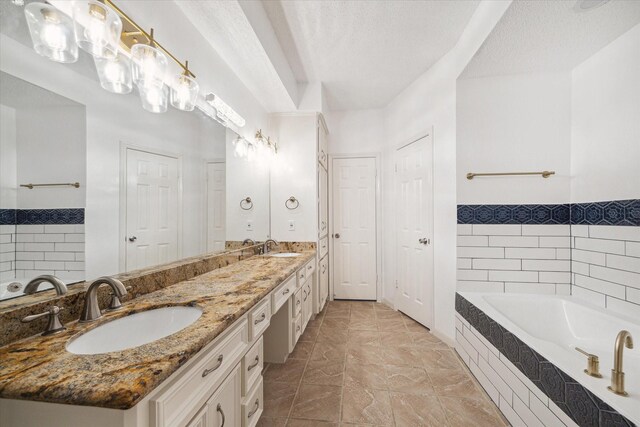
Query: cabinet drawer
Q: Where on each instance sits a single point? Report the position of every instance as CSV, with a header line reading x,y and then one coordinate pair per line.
x,y
184,396
310,268
302,276
296,329
282,293
324,246
297,303
259,319
253,406
252,364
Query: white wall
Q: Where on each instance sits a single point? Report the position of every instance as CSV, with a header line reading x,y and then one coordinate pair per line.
x,y
8,158
514,123
605,104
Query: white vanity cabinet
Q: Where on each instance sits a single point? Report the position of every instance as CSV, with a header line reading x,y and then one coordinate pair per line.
x,y
223,409
323,280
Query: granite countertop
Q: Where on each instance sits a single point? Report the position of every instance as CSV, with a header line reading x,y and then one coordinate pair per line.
x,y
39,368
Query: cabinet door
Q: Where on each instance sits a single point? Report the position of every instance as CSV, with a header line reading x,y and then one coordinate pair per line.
x,y
224,407
200,420
324,281
323,202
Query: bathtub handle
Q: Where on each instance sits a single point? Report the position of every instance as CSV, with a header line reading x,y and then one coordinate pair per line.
x,y
593,364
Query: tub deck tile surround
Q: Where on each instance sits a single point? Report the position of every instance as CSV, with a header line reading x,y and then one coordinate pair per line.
x,y
40,368
577,404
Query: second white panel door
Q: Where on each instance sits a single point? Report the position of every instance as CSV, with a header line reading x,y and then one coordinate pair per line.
x,y
152,209
216,206
354,228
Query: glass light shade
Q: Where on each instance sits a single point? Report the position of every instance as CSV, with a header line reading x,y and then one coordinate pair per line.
x,y
184,93
149,65
240,147
97,28
51,32
115,74
251,152
154,98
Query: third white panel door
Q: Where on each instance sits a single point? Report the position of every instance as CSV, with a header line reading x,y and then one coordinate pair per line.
x,y
414,219
354,219
216,210
152,209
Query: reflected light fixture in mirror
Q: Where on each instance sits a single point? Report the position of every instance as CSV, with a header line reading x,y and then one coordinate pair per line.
x,y
115,74
97,28
154,98
184,91
51,33
149,66
240,147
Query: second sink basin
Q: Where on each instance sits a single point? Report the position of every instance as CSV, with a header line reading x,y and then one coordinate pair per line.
x,y
135,330
285,255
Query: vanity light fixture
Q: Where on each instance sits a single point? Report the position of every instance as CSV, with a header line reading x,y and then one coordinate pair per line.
x,y
265,147
240,147
154,97
51,32
115,73
97,28
184,90
149,66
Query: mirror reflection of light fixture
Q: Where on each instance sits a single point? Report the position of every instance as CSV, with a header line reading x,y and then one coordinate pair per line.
x,y
264,146
115,74
149,65
184,91
97,28
240,147
154,97
51,32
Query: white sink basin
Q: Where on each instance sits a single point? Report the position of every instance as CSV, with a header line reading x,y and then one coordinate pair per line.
x,y
135,330
284,255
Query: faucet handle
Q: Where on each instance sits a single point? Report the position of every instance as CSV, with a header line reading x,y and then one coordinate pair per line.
x,y
115,303
54,325
593,364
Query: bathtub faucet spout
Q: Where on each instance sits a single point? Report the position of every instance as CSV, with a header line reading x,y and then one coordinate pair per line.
x,y
617,374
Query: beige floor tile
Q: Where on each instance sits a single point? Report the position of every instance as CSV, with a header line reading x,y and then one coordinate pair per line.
x,y
315,323
470,412
365,376
302,350
455,384
288,372
324,372
408,380
335,323
361,405
271,422
317,402
331,335
309,423
391,325
366,354
395,339
278,399
443,360
363,324
414,326
389,315
310,334
369,314
329,351
402,356
358,337
410,410
381,307
426,339
361,305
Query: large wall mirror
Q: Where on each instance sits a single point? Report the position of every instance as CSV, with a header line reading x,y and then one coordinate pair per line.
x,y
91,184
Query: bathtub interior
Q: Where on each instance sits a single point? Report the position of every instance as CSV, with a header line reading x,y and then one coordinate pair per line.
x,y
14,288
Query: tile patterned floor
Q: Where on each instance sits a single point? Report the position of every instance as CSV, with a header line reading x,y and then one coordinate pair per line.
x,y
361,363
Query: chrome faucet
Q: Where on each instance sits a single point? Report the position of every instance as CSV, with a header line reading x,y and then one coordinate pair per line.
x,y
33,284
91,310
617,375
265,245
248,242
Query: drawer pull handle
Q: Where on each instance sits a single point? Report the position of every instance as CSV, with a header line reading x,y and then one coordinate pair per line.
x,y
305,294
255,409
254,364
261,319
208,371
286,291
219,409
297,302
310,267
298,328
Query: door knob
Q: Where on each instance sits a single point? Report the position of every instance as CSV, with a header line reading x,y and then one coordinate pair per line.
x,y
424,241
133,238
337,235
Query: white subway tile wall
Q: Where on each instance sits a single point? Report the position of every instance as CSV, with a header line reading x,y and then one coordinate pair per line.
x,y
50,249
514,258
7,252
605,266
519,400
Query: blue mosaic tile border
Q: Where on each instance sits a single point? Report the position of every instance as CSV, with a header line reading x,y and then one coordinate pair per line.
x,y
513,214
617,212
41,216
582,406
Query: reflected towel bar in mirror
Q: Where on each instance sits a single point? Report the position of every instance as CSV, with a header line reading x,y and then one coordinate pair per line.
x,y
62,184
545,174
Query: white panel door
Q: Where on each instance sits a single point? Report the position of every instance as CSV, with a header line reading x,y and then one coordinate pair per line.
x,y
414,222
354,228
152,209
216,206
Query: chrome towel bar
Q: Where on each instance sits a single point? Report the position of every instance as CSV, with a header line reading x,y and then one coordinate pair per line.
x,y
545,174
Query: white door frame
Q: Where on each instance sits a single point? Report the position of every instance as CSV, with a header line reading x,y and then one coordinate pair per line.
x,y
122,258
205,195
375,156
421,135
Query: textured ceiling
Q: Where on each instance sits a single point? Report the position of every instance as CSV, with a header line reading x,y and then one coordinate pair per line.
x,y
550,36
365,52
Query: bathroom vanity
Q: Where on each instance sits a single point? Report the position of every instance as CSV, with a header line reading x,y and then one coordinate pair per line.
x,y
207,374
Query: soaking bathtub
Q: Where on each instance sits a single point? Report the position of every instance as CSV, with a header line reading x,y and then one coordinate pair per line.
x,y
14,288
554,326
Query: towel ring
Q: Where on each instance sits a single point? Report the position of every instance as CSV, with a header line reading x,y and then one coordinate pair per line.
x,y
246,202
289,203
